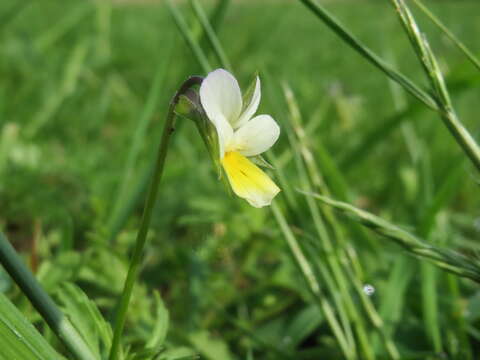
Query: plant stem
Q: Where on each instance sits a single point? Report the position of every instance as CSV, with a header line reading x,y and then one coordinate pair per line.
x,y
146,217
42,302
441,95
473,59
210,34
446,259
182,26
314,287
368,54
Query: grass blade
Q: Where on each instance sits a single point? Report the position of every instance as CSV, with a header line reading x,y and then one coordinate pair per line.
x,y
182,26
42,302
368,54
123,197
210,34
473,59
446,259
314,286
439,88
375,137
19,339
218,14
338,260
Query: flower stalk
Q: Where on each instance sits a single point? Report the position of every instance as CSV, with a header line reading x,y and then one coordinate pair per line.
x,y
135,261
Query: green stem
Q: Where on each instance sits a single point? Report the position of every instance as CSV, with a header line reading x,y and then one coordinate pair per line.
x,y
210,34
197,51
42,302
147,214
473,59
368,54
308,274
432,70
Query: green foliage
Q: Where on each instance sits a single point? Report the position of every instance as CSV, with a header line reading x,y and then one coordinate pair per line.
x,y
19,339
86,318
82,105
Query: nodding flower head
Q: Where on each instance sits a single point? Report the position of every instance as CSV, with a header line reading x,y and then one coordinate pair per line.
x,y
240,135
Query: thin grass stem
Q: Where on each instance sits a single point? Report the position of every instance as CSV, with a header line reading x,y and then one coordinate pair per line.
x,y
309,173
210,34
445,259
368,54
134,151
473,59
191,42
439,88
312,282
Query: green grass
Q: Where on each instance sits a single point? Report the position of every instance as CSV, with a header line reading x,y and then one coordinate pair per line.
x,y
84,90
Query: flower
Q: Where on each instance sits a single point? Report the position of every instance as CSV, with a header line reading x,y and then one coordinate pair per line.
x,y
240,135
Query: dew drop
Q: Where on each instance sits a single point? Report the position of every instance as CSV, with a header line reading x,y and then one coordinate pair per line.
x,y
368,289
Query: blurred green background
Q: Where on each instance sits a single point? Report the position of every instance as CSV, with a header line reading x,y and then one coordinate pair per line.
x,y
84,88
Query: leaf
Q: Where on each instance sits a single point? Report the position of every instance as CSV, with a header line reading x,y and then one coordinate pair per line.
x,y
210,347
146,354
248,94
179,354
159,332
86,318
302,325
260,161
103,270
59,270
19,340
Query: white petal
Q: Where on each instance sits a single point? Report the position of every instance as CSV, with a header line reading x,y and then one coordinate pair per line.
x,y
251,109
256,136
220,96
225,134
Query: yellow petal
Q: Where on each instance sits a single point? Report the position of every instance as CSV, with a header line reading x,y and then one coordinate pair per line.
x,y
248,181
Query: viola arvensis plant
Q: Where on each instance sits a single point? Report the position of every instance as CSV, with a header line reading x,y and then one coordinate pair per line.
x,y
240,135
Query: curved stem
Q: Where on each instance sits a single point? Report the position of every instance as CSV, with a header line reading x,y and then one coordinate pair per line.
x,y
146,217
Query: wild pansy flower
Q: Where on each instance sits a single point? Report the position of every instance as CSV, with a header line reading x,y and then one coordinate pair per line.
x,y
240,135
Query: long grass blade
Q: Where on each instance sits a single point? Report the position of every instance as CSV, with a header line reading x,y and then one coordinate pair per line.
x,y
312,282
182,26
439,88
446,259
338,260
218,14
43,303
19,339
135,148
375,137
210,34
368,54
463,48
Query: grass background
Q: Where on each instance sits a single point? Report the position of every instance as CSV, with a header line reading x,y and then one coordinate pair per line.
x,y
83,93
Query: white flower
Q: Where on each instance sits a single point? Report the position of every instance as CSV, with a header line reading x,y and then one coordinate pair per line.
x,y
240,135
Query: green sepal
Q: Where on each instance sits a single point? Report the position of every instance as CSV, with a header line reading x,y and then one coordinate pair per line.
x,y
248,94
260,161
189,107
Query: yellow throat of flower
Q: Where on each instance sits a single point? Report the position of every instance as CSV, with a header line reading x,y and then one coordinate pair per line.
x,y
248,181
